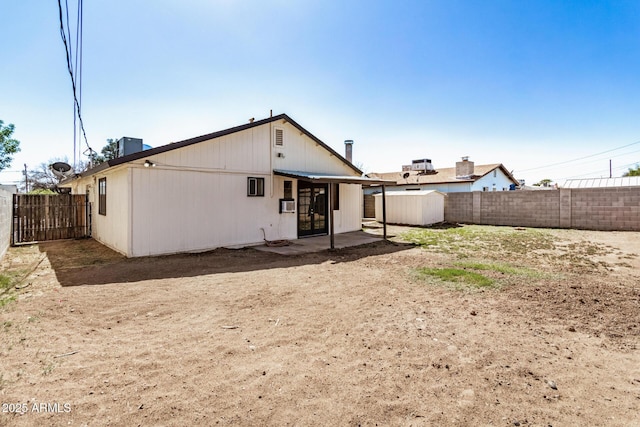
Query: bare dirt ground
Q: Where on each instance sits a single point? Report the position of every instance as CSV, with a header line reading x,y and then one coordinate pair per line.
x,y
352,337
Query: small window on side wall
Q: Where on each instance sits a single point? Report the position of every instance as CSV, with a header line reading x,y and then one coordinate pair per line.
x,y
102,196
255,187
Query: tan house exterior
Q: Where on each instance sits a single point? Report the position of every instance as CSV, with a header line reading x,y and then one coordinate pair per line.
x,y
223,189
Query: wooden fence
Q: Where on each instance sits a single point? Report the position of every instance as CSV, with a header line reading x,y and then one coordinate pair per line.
x,y
49,217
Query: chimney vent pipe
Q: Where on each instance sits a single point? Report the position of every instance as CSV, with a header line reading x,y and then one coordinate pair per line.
x,y
348,150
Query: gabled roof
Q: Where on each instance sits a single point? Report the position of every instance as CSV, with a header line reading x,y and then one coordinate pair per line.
x,y
442,175
175,145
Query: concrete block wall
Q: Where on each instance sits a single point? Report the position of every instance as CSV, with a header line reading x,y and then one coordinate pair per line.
x,y
592,209
6,214
613,209
458,207
520,208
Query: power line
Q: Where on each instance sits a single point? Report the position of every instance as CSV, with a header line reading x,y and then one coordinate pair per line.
x,y
579,158
606,158
78,73
69,53
606,171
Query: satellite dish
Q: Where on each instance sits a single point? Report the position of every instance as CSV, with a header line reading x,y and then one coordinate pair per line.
x,y
406,175
61,169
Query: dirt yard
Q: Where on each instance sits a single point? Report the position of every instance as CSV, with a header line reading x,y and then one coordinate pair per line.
x,y
466,326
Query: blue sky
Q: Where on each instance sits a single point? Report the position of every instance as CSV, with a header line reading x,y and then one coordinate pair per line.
x,y
525,83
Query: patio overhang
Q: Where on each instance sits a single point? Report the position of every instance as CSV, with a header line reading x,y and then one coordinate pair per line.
x,y
323,178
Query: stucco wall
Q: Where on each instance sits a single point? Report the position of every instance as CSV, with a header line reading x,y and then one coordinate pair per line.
x,y
6,206
592,209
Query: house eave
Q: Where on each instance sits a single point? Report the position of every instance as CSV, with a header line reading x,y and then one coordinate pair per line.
x,y
187,142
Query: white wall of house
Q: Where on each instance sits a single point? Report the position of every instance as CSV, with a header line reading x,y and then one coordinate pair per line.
x,y
181,211
493,181
303,154
112,229
349,216
254,150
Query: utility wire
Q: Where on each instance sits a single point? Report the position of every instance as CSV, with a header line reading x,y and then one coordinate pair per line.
x,y
70,69
616,168
589,162
579,158
75,124
77,71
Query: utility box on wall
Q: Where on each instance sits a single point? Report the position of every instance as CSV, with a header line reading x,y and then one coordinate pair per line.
x,y
423,207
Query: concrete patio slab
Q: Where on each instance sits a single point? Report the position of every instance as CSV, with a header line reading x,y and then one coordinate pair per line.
x,y
321,243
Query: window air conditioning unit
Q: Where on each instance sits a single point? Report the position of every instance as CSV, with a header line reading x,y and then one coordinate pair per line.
x,y
287,206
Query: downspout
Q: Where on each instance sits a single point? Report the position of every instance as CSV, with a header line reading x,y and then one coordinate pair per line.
x,y
331,230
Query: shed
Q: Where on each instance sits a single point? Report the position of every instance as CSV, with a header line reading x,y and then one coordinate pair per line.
x,y
423,207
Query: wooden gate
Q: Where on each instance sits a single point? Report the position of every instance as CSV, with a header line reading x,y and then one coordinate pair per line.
x,y
38,217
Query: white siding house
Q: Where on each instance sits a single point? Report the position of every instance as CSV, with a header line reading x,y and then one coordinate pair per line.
x,y
222,189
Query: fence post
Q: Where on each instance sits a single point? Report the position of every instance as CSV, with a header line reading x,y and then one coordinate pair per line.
x,y
477,207
565,208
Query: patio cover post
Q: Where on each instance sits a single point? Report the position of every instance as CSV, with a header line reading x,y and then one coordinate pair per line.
x,y
384,214
330,195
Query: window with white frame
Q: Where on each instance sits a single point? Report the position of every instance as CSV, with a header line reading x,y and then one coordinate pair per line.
x,y
102,196
255,187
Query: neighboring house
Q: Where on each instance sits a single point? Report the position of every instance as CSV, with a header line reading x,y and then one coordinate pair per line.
x,y
466,176
223,189
421,175
625,181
